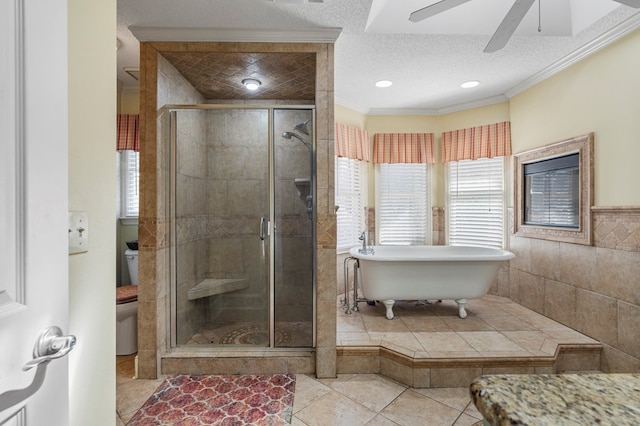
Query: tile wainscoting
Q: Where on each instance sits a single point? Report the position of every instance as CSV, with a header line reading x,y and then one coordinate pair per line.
x,y
592,289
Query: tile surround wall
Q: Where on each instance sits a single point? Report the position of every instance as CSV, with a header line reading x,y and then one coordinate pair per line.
x,y
159,85
592,289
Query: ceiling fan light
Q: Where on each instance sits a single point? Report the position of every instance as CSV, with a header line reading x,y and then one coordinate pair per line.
x,y
470,84
383,83
251,83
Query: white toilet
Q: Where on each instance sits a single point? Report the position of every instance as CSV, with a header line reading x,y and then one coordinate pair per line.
x,y
127,309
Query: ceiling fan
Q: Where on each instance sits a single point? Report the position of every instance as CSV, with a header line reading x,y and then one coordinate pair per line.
x,y
507,26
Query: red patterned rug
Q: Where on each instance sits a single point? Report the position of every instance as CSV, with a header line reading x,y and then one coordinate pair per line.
x,y
264,399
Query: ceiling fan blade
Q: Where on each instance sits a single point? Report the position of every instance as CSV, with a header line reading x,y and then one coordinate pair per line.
x,y
508,25
631,3
434,9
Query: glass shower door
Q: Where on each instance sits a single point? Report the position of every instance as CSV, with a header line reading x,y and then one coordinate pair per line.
x,y
222,210
242,226
294,195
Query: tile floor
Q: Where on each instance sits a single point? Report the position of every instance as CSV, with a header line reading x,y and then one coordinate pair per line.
x,y
350,399
495,327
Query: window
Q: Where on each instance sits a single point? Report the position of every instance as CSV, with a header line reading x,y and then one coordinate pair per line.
x,y
129,177
403,203
554,191
351,198
476,202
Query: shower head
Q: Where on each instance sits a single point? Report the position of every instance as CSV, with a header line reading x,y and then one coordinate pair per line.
x,y
302,127
289,135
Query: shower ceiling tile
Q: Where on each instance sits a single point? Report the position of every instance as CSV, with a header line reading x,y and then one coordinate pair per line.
x,y
289,76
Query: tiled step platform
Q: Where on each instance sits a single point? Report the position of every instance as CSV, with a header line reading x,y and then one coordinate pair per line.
x,y
428,345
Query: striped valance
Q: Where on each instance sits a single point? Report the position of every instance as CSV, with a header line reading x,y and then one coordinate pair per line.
x,y
352,142
127,137
403,148
491,140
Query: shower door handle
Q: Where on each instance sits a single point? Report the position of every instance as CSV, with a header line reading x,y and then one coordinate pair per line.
x,y
264,231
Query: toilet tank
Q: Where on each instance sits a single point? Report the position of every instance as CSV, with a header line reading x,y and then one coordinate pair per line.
x,y
132,264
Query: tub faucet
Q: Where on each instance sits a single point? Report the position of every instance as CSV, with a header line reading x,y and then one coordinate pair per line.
x,y
364,249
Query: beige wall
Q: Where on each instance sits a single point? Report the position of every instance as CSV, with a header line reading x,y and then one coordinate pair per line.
x,y
92,132
348,116
600,94
590,288
128,102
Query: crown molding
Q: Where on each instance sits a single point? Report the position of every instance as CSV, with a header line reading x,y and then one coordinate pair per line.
x,y
351,105
422,111
478,103
401,111
185,34
616,33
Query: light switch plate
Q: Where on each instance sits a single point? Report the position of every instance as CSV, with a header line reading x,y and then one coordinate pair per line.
x,y
78,232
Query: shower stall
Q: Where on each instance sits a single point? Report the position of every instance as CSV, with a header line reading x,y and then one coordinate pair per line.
x,y
242,213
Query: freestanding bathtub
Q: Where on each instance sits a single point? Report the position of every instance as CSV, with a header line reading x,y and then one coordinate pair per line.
x,y
391,273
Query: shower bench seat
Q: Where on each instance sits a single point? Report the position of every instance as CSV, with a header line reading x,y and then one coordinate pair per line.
x,y
213,286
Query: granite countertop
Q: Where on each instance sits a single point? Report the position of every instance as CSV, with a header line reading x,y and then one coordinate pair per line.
x,y
564,399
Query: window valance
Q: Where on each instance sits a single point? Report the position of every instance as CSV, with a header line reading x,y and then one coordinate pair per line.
x,y
403,148
352,142
488,141
127,136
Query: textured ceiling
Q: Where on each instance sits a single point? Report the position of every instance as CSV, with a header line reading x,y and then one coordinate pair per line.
x,y
427,61
288,76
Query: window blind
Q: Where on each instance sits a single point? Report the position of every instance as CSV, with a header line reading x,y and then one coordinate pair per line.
x,y
552,194
403,203
476,202
350,197
130,183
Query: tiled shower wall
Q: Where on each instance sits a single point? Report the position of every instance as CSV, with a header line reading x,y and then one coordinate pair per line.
x,y
237,198
191,208
162,84
294,251
222,192
592,289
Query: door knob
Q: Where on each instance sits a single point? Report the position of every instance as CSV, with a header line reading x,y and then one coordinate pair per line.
x,y
50,344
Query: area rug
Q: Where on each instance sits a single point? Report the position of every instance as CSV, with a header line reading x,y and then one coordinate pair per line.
x,y
184,400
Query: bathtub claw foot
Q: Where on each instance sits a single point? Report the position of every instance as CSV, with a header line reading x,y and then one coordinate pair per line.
x,y
389,305
462,312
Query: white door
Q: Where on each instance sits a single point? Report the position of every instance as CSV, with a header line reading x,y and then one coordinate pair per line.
x,y
33,207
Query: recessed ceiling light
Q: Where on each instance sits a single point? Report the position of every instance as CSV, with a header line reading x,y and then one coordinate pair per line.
x,y
469,84
383,83
251,83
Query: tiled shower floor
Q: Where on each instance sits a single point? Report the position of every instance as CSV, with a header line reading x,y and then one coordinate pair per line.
x,y
288,334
